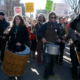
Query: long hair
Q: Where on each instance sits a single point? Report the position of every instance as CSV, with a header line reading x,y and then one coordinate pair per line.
x,y
26,21
42,16
22,21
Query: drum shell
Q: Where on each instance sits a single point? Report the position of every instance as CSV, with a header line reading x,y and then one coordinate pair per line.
x,y
14,64
52,49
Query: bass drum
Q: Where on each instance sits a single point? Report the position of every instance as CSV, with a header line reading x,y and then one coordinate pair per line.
x,y
14,64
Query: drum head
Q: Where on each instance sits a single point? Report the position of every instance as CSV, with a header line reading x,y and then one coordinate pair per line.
x,y
25,52
53,45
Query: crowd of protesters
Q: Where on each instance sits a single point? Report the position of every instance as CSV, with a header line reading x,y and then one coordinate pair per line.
x,y
35,36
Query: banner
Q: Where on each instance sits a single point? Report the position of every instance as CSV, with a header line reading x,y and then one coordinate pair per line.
x,y
29,7
61,9
49,5
17,10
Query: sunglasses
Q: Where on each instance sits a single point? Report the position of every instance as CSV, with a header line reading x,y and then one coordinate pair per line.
x,y
53,17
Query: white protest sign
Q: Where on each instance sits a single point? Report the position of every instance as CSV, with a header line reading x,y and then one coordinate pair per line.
x,y
61,9
17,10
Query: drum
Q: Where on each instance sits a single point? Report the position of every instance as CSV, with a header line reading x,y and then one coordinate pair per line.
x,y
52,49
14,64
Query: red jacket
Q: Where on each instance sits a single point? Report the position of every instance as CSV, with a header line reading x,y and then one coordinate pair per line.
x,y
32,36
67,25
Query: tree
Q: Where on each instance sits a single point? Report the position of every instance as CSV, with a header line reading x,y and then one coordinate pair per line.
x,y
73,3
9,7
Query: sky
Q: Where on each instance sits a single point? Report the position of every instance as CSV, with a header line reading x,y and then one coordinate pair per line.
x,y
39,4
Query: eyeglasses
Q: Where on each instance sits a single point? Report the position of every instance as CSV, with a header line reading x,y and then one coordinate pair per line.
x,y
53,17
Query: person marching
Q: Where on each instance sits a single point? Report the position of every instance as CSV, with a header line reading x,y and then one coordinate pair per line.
x,y
3,25
41,20
74,34
28,43
66,22
63,29
18,35
48,32
33,39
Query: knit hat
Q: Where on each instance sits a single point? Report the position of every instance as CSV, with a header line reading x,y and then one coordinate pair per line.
x,y
1,13
41,15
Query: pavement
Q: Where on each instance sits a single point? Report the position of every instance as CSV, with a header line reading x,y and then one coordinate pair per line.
x,y
34,72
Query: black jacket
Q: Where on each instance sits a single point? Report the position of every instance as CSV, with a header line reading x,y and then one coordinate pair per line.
x,y
3,25
37,26
21,35
74,29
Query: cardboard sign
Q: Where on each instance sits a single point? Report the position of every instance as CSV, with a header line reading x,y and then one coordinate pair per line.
x,y
18,10
29,7
61,9
49,5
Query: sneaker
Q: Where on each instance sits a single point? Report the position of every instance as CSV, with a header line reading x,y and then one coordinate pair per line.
x,y
52,73
45,77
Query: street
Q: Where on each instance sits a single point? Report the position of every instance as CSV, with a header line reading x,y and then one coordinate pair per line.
x,y
34,72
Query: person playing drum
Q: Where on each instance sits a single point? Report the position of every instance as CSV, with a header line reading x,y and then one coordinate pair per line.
x,y
18,34
50,32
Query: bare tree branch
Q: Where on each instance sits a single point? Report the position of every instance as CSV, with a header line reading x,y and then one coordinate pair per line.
x,y
68,3
9,7
72,3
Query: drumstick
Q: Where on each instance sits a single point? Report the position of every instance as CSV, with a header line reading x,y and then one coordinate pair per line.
x,y
49,42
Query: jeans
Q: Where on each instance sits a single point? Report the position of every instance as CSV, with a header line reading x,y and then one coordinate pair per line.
x,y
49,63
